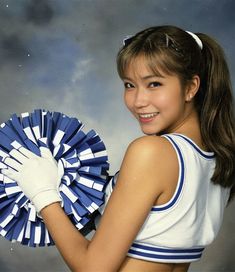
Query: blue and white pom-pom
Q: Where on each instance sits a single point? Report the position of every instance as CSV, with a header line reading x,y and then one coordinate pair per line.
x,y
85,173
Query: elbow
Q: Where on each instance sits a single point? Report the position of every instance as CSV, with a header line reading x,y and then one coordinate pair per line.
x,y
91,267
82,266
78,268
75,270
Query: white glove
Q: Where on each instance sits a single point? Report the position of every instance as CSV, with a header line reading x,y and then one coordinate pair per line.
x,y
38,177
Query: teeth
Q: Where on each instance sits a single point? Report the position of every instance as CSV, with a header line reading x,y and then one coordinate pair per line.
x,y
148,115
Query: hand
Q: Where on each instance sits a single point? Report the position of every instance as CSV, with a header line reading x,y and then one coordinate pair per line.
x,y
38,177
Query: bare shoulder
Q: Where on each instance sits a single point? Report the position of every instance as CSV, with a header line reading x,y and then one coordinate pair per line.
x,y
155,146
154,159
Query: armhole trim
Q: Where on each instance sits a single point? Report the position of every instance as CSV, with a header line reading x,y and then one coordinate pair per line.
x,y
180,182
114,179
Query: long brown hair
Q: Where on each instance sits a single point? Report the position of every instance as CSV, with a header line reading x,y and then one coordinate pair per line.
x,y
173,51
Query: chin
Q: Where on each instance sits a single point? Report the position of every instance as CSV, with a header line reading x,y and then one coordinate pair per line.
x,y
149,131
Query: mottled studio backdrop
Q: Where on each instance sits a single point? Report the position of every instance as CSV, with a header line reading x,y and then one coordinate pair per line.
x,y
60,55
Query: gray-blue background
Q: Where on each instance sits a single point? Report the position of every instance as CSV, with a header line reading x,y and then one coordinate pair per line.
x,y
60,55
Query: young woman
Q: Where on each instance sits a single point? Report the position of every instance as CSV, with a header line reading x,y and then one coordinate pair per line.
x,y
166,204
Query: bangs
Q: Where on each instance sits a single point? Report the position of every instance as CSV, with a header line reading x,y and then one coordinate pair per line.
x,y
158,62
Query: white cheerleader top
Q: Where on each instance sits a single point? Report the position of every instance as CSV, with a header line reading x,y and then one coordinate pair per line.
x,y
179,230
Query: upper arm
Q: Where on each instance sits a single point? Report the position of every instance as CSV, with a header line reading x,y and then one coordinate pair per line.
x,y
137,188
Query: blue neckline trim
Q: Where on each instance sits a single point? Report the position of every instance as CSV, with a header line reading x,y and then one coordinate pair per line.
x,y
207,155
179,186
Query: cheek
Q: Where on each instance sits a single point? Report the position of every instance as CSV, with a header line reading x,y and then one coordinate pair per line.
x,y
161,100
167,101
128,100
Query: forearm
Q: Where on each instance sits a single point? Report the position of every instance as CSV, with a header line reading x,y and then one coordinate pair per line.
x,y
71,244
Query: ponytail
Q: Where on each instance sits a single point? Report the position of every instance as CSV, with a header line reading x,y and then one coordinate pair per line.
x,y
215,107
174,51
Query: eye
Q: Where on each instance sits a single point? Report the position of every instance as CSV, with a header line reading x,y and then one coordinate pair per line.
x,y
128,85
154,84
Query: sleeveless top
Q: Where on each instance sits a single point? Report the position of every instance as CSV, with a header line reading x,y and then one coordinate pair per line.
x,y
179,230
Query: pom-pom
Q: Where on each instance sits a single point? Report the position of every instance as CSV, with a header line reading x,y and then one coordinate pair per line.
x,y
85,173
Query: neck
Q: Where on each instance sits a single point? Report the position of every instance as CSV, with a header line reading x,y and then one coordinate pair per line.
x,y
190,124
190,127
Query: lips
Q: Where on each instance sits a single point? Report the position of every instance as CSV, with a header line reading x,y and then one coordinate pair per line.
x,y
147,117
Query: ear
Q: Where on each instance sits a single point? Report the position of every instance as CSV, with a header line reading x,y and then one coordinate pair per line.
x,y
192,88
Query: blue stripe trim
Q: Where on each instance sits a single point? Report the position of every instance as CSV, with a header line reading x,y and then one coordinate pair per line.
x,y
168,250
158,253
201,152
181,182
165,257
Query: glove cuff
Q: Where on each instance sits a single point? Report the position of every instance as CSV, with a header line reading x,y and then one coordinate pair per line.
x,y
45,198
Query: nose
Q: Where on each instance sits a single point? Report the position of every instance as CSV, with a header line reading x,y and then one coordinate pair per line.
x,y
141,98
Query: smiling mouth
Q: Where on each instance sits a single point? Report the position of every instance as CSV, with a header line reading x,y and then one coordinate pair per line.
x,y
148,115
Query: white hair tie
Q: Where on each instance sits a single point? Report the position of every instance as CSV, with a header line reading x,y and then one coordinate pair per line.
x,y
196,38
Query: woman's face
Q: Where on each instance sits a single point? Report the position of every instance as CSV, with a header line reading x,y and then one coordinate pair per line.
x,y
157,102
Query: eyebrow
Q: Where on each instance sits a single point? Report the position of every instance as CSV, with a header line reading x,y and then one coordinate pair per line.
x,y
145,77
